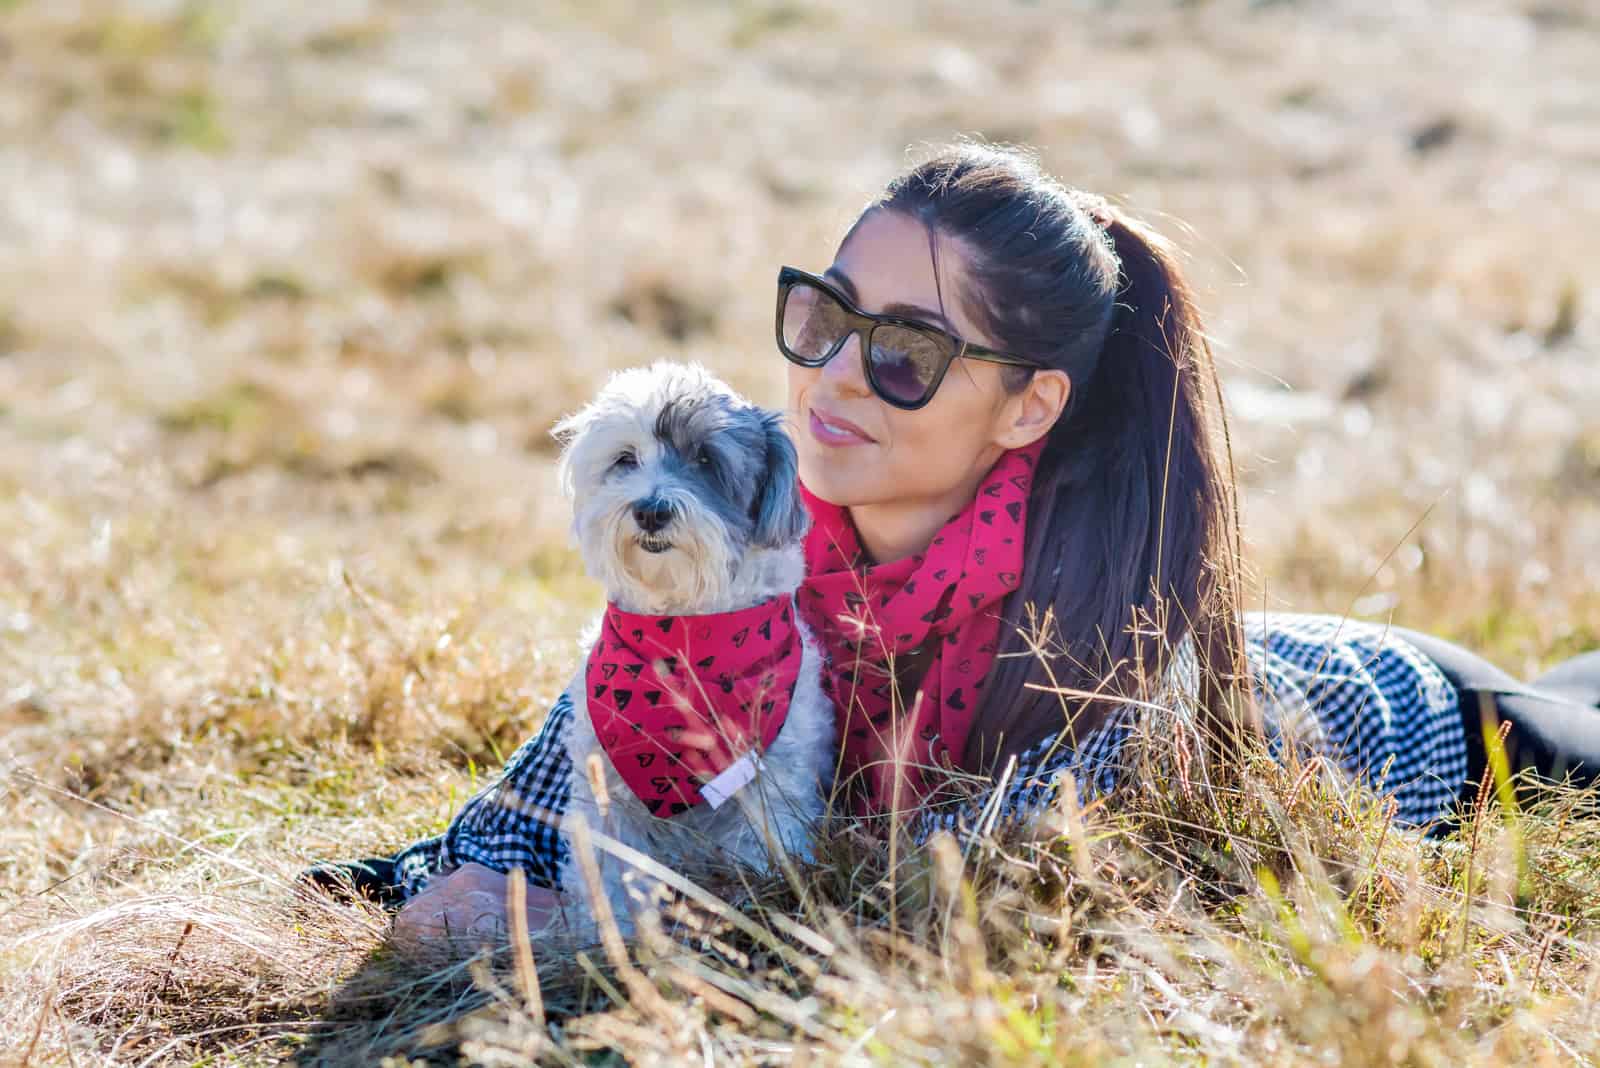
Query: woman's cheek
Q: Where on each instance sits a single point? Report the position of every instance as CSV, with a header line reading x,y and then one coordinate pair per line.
x,y
797,380
808,466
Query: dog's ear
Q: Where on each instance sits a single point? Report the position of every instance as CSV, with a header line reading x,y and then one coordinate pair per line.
x,y
778,512
566,433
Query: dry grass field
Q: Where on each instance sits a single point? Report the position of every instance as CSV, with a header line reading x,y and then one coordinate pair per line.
x,y
291,294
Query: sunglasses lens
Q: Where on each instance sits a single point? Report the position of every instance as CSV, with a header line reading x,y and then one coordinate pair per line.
x,y
813,323
906,363
903,367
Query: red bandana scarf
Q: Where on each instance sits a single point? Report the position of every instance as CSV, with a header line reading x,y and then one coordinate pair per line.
x,y
945,601
677,700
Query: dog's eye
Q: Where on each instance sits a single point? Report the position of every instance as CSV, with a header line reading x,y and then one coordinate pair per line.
x,y
703,458
626,458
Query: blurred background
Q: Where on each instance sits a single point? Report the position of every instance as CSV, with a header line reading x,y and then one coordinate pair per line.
x,y
291,294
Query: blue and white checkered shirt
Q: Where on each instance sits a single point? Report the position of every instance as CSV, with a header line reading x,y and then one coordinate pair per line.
x,y
1345,688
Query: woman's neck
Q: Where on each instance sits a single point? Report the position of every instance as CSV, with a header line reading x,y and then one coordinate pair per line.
x,y
894,530
891,533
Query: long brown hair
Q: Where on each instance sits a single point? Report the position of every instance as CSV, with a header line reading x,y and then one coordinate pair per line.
x,y
1132,521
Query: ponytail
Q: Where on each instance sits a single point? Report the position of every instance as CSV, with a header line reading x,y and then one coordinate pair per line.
x,y
1132,541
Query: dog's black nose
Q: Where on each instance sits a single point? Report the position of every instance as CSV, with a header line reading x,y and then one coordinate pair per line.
x,y
652,514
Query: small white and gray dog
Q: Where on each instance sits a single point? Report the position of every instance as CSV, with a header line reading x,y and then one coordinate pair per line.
x,y
686,503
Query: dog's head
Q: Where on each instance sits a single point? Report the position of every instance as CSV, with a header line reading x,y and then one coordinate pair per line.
x,y
674,479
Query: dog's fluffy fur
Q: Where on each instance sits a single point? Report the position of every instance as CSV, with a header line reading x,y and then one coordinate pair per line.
x,y
673,437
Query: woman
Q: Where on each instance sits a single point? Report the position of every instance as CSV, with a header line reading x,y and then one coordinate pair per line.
x,y
1023,546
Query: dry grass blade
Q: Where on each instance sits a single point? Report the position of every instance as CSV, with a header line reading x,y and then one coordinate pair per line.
x,y
521,943
642,994
290,295
705,899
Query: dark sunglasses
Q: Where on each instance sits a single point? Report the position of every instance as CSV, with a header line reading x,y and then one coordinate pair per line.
x,y
905,359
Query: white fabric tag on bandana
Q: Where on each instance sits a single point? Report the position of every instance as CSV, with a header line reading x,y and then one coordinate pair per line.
x,y
731,780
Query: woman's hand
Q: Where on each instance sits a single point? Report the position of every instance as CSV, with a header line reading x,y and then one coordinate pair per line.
x,y
469,904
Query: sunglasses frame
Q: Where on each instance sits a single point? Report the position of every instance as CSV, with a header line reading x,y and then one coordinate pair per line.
x,y
864,323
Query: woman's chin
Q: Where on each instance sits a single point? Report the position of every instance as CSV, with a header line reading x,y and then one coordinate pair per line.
x,y
839,492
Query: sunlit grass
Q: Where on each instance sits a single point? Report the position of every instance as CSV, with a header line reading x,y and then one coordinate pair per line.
x,y
292,295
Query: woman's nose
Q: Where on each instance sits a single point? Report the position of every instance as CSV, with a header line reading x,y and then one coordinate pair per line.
x,y
845,371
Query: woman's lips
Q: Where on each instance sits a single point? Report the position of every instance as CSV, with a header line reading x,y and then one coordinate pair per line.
x,y
831,430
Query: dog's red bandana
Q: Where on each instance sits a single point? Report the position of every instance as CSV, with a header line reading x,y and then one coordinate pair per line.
x,y
678,700
943,603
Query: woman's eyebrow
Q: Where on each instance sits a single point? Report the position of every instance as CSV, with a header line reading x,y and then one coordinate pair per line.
x,y
842,280
904,311
912,311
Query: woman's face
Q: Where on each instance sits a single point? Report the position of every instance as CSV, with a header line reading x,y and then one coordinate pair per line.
x,y
855,450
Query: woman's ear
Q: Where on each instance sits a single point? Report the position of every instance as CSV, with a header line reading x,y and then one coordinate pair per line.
x,y
1029,414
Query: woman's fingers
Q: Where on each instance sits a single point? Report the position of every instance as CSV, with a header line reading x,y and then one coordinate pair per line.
x,y
470,903
544,908
472,877
476,916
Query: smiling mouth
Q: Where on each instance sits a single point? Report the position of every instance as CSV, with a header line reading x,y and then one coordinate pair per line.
x,y
652,544
831,430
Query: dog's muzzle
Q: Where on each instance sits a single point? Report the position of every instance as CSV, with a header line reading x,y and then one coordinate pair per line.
x,y
653,515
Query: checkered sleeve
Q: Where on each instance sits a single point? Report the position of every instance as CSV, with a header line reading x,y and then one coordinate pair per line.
x,y
1095,761
1370,701
1348,689
511,823
1035,782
